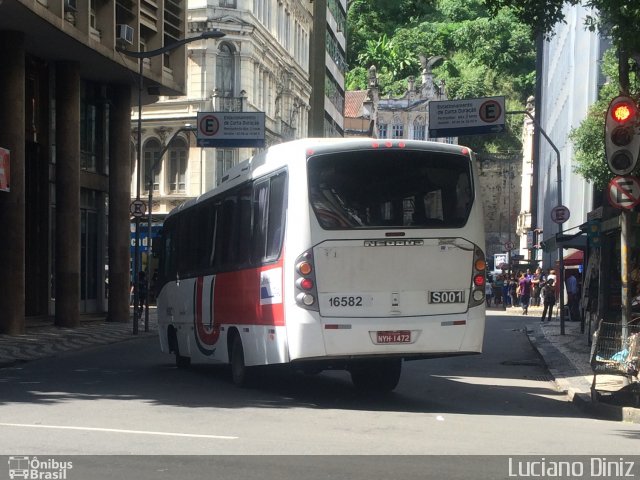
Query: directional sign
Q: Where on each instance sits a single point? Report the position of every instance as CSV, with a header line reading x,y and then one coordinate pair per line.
x,y
230,129
452,118
138,208
560,214
624,192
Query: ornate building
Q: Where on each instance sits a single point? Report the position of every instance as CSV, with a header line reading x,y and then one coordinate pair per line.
x,y
262,64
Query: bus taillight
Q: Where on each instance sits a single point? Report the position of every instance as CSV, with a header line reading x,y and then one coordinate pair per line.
x,y
305,282
304,268
477,296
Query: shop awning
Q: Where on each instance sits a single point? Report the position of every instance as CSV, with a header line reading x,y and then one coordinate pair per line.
x,y
574,258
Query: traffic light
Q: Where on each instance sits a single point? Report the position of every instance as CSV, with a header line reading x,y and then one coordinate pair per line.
x,y
622,140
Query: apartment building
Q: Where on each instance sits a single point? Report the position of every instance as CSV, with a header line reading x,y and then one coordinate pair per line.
x,y
66,93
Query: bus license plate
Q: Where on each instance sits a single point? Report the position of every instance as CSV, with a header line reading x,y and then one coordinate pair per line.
x,y
447,296
395,336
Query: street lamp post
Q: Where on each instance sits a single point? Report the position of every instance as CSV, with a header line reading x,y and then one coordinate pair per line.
x,y
149,179
559,196
141,56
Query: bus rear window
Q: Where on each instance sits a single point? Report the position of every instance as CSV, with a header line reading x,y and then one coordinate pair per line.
x,y
390,188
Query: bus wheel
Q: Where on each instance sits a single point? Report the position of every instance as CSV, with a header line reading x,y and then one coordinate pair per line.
x,y
240,373
181,361
379,376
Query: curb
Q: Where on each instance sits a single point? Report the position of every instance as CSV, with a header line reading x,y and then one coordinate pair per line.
x,y
578,391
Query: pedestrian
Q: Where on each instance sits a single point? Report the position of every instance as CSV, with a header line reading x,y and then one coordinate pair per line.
x,y
524,292
513,292
548,298
488,292
536,279
498,285
573,300
142,291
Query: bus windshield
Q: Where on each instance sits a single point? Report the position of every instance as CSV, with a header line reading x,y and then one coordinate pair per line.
x,y
381,189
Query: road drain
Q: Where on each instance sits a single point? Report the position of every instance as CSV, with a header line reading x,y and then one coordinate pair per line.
x,y
525,363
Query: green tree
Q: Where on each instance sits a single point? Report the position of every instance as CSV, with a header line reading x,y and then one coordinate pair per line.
x,y
483,55
588,137
616,19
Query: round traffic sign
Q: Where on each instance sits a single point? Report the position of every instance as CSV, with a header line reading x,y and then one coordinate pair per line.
x,y
508,245
624,192
138,208
560,214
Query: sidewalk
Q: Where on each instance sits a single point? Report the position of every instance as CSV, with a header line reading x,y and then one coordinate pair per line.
x,y
566,356
568,359
42,339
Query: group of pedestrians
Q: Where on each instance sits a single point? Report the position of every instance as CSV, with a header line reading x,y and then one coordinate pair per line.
x,y
524,289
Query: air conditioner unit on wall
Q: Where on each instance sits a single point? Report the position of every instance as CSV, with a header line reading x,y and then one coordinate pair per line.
x,y
124,34
70,5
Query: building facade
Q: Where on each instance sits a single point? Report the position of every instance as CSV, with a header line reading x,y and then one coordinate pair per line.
x,y
65,106
571,79
328,68
262,64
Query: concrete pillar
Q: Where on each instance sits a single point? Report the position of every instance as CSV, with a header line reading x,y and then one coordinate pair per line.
x,y
119,199
12,204
67,251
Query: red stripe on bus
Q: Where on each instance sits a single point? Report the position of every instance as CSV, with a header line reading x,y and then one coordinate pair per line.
x,y
237,299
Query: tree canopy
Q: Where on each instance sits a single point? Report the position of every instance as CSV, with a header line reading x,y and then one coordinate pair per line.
x,y
483,54
615,19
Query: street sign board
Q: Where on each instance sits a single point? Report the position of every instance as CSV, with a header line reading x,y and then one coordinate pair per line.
x,y
5,165
560,214
230,129
452,118
624,192
138,208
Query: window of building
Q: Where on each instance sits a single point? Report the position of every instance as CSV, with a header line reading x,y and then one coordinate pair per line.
x,y
397,129
178,166
382,130
225,70
224,161
419,129
228,3
150,153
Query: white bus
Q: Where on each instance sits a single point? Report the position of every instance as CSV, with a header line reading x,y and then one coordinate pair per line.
x,y
348,254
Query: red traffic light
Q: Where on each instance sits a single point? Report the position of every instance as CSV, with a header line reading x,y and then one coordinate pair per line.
x,y
622,136
623,111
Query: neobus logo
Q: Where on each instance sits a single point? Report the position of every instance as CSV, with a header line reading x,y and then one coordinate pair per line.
x,y
393,243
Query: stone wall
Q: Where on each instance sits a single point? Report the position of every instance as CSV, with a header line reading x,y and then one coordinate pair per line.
x,y
500,189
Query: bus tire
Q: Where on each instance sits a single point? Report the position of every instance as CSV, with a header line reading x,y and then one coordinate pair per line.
x,y
376,376
240,373
181,361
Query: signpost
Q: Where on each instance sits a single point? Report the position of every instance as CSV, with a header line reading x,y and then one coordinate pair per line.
x,y
624,192
452,118
230,129
560,214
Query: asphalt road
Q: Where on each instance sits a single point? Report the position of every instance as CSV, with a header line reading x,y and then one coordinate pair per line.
x,y
127,400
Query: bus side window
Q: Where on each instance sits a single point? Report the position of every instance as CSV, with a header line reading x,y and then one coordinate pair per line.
x,y
275,225
211,233
260,204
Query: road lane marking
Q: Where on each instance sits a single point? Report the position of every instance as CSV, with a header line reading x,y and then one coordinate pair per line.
x,y
117,430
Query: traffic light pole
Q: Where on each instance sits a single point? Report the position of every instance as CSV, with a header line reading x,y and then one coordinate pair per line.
x,y
559,175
